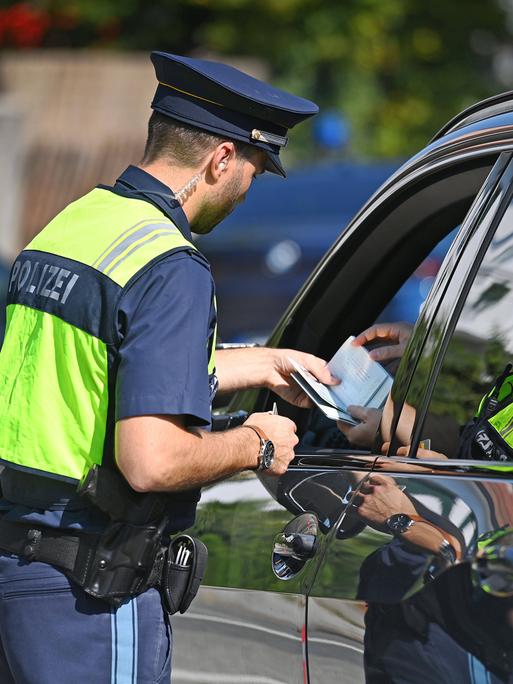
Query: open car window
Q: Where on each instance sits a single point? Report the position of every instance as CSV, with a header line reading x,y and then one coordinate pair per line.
x,y
405,306
459,402
382,269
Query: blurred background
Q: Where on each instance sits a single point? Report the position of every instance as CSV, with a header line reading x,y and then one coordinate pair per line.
x,y
76,84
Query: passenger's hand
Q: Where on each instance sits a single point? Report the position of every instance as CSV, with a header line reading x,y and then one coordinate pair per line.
x,y
421,453
364,433
280,381
282,433
395,334
379,498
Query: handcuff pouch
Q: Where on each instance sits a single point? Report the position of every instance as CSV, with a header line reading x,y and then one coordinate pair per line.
x,y
180,581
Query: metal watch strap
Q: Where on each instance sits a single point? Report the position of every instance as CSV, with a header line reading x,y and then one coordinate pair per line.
x,y
262,437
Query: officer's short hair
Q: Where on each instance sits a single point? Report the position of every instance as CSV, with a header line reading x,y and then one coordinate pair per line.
x,y
183,144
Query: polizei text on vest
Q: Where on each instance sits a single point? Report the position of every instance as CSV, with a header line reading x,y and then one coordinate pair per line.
x,y
45,280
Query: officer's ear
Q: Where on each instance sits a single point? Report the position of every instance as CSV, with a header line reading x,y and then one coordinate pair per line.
x,y
222,160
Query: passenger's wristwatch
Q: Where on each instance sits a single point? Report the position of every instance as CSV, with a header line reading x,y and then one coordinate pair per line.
x,y
266,453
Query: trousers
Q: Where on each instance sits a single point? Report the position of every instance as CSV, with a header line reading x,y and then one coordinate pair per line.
x,y
52,632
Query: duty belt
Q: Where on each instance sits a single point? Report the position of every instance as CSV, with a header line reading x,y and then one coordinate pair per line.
x,y
46,544
118,563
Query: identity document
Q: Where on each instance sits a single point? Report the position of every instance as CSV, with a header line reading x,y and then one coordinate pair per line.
x,y
364,382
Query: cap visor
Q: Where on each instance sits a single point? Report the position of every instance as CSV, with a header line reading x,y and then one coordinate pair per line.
x,y
274,164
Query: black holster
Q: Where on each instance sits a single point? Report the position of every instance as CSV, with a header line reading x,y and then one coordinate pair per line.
x,y
127,560
133,553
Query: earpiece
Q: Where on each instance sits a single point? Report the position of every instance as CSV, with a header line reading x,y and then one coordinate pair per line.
x,y
222,165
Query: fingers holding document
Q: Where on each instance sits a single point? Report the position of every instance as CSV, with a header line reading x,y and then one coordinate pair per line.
x,y
364,432
282,382
395,337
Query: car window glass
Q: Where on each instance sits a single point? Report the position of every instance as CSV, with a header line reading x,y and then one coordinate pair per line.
x,y
404,306
407,303
471,410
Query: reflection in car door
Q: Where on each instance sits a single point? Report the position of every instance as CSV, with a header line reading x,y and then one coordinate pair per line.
x,y
245,625
411,609
420,610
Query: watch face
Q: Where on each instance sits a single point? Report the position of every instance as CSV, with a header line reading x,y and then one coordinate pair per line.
x,y
268,454
399,523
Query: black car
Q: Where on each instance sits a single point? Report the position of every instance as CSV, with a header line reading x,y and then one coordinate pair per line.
x,y
364,563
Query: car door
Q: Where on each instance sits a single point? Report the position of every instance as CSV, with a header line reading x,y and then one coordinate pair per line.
x,y
427,611
284,597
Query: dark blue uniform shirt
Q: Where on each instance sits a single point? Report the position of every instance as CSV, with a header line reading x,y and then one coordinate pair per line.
x,y
166,320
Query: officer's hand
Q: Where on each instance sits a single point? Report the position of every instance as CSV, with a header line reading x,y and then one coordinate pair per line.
x,y
396,335
282,433
280,381
379,498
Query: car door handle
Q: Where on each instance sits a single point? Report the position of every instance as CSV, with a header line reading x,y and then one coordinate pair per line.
x,y
295,545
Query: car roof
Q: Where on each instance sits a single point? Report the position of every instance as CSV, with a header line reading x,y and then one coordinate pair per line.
x,y
477,112
485,125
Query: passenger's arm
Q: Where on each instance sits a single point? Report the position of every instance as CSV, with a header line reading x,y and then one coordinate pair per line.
x,y
364,433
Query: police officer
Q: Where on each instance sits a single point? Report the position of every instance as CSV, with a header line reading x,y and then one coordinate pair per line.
x,y
108,368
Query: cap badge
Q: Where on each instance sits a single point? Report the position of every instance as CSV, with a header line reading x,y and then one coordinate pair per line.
x,y
270,138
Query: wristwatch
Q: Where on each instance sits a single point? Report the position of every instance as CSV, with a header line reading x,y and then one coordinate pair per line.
x,y
399,523
266,453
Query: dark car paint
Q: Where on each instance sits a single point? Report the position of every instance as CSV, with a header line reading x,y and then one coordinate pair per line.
x,y
428,619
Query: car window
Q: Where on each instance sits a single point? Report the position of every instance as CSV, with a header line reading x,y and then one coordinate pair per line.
x,y
385,280
407,303
405,306
394,247
461,343
470,414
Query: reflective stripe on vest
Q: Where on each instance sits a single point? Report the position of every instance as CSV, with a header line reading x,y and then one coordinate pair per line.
x,y
61,331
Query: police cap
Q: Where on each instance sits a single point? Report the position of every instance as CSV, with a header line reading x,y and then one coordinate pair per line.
x,y
223,100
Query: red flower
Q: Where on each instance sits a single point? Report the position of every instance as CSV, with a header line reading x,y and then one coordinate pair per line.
x,y
23,26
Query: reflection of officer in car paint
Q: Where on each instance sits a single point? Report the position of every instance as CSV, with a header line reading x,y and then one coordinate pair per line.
x,y
442,633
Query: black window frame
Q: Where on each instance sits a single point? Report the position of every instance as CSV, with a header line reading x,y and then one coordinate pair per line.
x,y
436,327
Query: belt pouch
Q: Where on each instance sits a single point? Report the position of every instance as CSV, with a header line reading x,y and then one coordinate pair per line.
x,y
183,572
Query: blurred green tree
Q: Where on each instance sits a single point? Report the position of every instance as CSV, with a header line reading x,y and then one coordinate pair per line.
x,y
396,70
